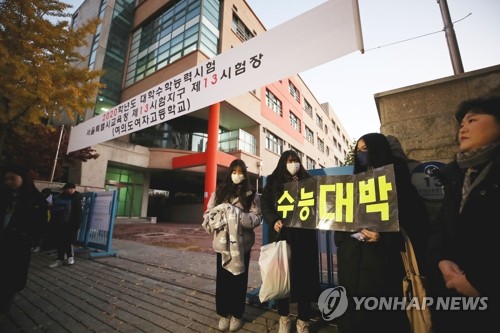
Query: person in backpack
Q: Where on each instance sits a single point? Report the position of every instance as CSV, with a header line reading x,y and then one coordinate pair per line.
x,y
23,213
66,216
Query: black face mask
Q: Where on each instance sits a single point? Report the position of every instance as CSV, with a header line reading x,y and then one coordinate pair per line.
x,y
362,158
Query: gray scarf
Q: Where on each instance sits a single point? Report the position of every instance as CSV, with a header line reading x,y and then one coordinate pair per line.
x,y
476,163
477,156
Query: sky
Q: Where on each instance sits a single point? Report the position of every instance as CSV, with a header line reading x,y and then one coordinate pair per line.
x,y
404,43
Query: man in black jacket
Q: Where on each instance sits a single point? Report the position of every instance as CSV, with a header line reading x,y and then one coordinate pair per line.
x,y
66,216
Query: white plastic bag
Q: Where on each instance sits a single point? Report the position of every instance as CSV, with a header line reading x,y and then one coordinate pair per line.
x,y
274,263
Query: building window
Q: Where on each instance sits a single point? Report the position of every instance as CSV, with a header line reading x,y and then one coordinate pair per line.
x,y
113,61
321,145
238,140
171,35
183,133
310,163
319,121
327,151
308,108
295,122
301,154
294,91
240,29
273,103
309,135
274,143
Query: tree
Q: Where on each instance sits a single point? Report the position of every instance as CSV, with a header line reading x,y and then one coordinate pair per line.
x,y
38,60
39,149
349,159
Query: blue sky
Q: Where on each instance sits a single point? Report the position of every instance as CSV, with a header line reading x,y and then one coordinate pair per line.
x,y
350,82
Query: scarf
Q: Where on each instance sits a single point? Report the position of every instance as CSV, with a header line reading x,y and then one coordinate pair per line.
x,y
477,156
476,163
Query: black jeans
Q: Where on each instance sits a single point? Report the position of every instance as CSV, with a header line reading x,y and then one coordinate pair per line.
x,y
303,307
231,290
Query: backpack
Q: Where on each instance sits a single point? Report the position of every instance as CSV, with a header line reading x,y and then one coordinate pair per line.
x,y
60,211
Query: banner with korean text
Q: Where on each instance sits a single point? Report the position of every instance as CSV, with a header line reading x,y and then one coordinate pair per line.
x,y
343,202
326,32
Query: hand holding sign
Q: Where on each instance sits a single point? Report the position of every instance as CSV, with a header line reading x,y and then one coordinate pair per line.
x,y
366,201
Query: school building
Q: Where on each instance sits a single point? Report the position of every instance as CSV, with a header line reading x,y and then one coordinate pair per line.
x,y
159,171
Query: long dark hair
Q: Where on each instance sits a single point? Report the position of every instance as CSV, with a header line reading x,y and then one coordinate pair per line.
x,y
280,175
28,185
227,190
379,152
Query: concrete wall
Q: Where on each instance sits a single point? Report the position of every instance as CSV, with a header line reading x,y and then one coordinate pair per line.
x,y
422,116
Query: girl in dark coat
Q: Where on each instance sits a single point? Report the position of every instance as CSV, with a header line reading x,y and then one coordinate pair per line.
x,y
23,213
373,266
304,278
463,246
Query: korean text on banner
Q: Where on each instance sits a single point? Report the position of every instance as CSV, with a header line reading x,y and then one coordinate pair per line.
x,y
327,32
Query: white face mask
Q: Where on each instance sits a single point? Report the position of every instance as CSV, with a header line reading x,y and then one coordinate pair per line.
x,y
237,178
293,167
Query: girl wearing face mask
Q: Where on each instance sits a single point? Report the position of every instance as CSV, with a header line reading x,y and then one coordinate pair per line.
x,y
304,276
232,213
371,265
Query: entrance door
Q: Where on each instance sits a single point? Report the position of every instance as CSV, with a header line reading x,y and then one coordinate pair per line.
x,y
129,184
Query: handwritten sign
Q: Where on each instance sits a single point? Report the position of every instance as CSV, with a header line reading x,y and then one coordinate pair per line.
x,y
343,202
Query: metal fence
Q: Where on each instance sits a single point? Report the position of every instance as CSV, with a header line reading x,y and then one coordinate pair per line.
x,y
96,229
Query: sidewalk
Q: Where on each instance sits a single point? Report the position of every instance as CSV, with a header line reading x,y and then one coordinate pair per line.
x,y
144,288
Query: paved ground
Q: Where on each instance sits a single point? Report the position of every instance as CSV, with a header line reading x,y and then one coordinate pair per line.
x,y
182,236
157,282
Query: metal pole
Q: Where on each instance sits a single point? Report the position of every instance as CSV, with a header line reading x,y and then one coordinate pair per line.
x,y
451,38
259,164
57,154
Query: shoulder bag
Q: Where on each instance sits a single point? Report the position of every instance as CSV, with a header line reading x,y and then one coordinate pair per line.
x,y
414,291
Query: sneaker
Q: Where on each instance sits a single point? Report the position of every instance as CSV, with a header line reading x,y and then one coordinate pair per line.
x,y
235,324
285,325
70,261
302,326
56,264
224,323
